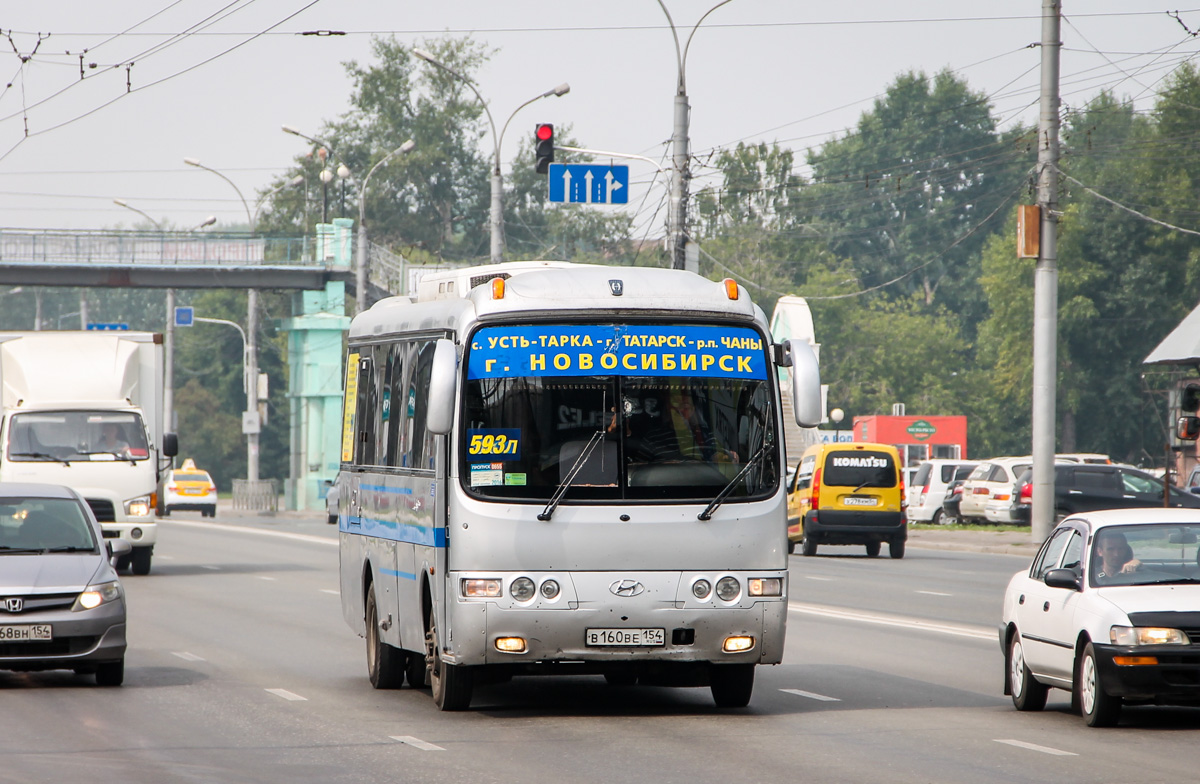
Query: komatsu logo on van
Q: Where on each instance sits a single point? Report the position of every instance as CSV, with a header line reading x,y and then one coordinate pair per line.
x,y
860,462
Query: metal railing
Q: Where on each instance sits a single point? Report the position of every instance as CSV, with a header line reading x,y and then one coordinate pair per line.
x,y
259,495
153,247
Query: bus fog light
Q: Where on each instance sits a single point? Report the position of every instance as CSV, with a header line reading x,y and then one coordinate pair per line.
x,y
475,586
550,589
510,644
728,588
737,644
766,586
136,533
701,589
521,589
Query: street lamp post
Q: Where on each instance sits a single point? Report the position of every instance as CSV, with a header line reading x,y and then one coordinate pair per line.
x,y
251,343
360,270
326,176
679,145
497,210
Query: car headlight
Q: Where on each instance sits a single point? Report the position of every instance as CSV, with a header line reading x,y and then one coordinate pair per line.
x,y
138,507
1147,635
96,595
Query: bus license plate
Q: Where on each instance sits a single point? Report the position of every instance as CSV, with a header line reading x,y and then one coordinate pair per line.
x,y
34,632
858,500
626,637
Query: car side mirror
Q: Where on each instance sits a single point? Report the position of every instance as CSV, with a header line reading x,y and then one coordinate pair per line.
x,y
117,548
1062,578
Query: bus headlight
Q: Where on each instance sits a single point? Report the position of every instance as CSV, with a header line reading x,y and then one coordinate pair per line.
x,y
728,588
701,588
766,586
521,589
550,589
480,587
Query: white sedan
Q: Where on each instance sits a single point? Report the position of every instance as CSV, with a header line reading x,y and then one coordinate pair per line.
x,y
1109,610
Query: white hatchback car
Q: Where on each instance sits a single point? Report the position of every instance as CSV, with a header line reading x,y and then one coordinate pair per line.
x,y
991,482
928,488
1110,610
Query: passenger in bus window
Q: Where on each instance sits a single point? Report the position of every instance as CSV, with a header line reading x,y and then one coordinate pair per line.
x,y
680,433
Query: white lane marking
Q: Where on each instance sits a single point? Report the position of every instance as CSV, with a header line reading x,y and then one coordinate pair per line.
x,y
264,577
260,531
1034,747
335,593
287,695
934,593
811,696
416,743
814,577
917,624
187,656
209,566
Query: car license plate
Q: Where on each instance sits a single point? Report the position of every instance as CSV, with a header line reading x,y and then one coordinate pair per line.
x,y
628,638
32,632
858,500
192,491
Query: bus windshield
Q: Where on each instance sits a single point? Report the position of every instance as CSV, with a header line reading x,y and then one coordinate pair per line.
x,y
629,411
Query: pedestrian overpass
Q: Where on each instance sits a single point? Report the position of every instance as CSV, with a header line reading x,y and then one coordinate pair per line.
x,y
321,268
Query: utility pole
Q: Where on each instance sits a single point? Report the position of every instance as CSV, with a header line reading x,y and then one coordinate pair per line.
x,y
1045,282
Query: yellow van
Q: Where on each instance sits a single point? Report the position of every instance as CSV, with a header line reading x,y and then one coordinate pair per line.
x,y
848,493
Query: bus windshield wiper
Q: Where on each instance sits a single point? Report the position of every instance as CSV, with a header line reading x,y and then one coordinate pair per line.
x,y
116,455
561,490
43,456
716,502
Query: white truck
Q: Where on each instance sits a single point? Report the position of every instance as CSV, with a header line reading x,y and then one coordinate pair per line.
x,y
84,409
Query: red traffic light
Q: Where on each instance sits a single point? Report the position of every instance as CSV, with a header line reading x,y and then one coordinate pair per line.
x,y
544,132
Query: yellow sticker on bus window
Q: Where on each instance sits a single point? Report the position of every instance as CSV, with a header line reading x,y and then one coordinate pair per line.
x,y
348,408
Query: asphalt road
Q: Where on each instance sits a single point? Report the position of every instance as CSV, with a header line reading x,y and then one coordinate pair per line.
x,y
241,669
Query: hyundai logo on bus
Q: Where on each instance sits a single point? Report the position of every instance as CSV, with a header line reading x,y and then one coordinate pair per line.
x,y
626,588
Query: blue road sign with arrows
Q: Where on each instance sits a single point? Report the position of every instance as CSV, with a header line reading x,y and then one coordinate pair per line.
x,y
582,183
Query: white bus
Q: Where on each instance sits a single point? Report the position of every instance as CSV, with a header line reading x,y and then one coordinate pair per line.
x,y
571,469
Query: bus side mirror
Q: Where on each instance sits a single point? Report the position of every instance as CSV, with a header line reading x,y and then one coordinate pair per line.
x,y
442,381
170,446
1188,428
806,382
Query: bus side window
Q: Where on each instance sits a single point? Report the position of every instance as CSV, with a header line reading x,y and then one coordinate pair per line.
x,y
423,440
392,411
368,403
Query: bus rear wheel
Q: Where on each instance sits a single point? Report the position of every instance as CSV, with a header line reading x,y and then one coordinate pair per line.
x,y
451,684
385,664
731,684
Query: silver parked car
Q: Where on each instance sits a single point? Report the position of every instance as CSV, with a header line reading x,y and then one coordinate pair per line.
x,y
61,604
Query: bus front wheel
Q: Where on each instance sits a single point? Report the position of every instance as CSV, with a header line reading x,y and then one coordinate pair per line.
x,y
731,684
451,684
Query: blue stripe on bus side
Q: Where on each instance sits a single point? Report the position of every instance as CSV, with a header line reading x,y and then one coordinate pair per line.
x,y
394,573
386,489
398,532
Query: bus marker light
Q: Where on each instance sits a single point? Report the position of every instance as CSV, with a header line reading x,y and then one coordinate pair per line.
x,y
480,587
497,288
510,644
731,288
766,586
737,644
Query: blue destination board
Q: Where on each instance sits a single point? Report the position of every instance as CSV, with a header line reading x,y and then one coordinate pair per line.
x,y
617,350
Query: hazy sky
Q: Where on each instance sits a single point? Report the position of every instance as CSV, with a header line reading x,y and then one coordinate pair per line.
x,y
215,80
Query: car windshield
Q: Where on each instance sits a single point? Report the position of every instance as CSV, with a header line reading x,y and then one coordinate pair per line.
x,y
32,524
77,435
1145,555
621,411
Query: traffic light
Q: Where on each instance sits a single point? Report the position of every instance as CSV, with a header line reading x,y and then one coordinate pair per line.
x,y
544,136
